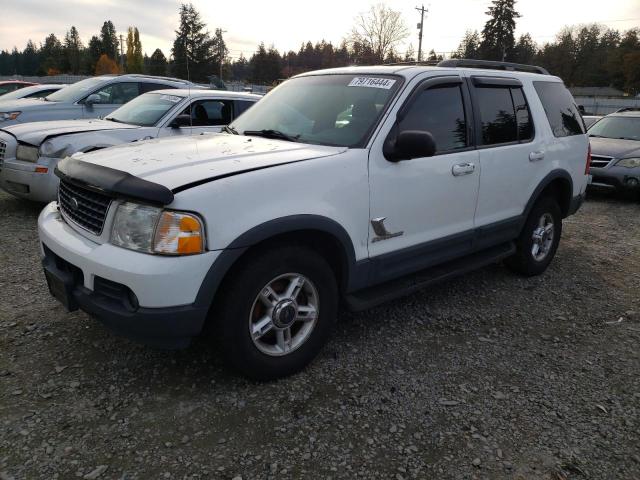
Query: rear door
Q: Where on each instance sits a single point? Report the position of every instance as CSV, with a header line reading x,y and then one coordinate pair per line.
x,y
207,116
512,154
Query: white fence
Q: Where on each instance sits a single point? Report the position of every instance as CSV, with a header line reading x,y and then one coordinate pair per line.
x,y
606,105
66,79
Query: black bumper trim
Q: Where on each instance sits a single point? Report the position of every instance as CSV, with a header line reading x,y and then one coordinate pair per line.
x,y
576,203
168,327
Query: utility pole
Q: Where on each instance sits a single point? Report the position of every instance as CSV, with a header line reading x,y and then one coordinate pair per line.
x,y
121,54
221,52
422,11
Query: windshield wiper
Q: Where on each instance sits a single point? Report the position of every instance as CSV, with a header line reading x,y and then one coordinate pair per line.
x,y
596,136
228,129
111,119
269,133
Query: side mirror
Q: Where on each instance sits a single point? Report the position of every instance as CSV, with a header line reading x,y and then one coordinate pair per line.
x,y
92,99
410,144
183,120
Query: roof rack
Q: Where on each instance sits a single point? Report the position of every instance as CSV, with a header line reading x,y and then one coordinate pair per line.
x,y
157,77
428,63
491,65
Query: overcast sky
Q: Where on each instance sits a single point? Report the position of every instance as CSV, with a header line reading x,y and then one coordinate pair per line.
x,y
286,23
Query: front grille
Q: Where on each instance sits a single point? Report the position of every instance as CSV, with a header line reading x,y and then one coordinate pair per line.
x,y
84,207
600,161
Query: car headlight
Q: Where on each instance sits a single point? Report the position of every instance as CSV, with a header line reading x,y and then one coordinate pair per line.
x,y
629,162
9,115
27,153
154,230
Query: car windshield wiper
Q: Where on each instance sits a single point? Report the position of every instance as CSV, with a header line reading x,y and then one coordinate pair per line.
x,y
269,133
596,136
627,138
111,119
228,129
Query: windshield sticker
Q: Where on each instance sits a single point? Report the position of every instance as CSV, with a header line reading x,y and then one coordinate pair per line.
x,y
170,98
372,82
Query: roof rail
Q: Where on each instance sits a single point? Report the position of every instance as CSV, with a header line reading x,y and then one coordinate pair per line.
x,y
428,63
491,65
157,77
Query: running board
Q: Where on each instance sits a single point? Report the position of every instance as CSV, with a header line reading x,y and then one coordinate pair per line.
x,y
379,294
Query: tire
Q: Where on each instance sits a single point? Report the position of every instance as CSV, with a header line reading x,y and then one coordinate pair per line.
x,y
247,305
526,261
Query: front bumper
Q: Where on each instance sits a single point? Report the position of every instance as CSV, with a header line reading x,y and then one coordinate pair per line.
x,y
22,180
618,178
149,298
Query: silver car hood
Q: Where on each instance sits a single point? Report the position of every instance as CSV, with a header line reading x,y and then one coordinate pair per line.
x,y
34,133
613,147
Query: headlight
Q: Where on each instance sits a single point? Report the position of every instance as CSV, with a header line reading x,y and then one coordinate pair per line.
x,y
27,153
153,230
629,162
9,115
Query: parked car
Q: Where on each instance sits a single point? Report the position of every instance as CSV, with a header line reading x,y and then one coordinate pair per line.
x,y
615,159
33,91
262,231
7,86
90,98
32,150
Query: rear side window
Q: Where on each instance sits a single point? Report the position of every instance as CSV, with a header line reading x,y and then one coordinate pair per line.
x,y
242,106
504,115
440,111
561,110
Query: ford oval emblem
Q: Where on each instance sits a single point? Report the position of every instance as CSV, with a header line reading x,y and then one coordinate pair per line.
x,y
73,203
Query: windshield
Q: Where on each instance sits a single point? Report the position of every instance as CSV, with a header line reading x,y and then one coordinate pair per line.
x,y
145,110
627,128
338,110
78,90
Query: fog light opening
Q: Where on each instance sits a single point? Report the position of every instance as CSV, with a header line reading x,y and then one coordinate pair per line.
x,y
133,300
632,182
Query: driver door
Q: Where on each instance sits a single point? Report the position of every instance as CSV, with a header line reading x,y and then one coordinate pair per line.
x,y
427,204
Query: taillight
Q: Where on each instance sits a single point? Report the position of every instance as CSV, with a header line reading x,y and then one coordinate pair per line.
x,y
587,167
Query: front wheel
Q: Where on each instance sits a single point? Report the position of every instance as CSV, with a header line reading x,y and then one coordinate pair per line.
x,y
539,239
277,311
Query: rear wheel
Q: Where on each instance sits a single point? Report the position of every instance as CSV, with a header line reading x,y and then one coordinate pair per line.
x,y
537,244
277,311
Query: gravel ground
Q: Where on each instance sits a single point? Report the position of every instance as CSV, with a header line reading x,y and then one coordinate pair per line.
x,y
486,376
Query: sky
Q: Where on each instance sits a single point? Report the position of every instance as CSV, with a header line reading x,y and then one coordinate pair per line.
x,y
286,24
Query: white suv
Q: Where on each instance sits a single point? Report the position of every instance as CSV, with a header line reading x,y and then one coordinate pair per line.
x,y
354,184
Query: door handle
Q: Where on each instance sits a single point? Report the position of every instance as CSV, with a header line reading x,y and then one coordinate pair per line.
x,y
463,169
536,156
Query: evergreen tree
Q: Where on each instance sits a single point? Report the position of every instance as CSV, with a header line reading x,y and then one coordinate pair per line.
x,y
73,50
157,64
525,50
193,44
469,46
498,39
52,56
91,55
30,60
6,65
109,40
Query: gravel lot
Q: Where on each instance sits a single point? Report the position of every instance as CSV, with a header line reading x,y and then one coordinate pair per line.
x,y
486,376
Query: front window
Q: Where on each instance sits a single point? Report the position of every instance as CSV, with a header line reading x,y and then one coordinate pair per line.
x,y
625,128
77,91
145,110
337,110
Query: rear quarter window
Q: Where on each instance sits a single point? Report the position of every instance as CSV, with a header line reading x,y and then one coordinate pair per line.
x,y
560,108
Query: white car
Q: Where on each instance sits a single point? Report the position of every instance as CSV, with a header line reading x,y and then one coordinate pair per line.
x,y
32,150
399,176
93,97
33,91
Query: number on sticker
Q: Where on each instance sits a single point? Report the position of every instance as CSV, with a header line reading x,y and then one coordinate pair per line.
x,y
372,82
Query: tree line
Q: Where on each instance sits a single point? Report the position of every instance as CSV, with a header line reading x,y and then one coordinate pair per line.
x,y
588,55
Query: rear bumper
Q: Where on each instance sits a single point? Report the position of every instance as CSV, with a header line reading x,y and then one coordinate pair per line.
x,y
576,203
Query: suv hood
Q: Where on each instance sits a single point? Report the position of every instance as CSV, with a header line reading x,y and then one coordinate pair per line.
x,y
613,147
183,161
35,133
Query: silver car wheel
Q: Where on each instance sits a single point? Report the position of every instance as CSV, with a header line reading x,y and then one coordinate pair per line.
x,y
284,314
542,237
